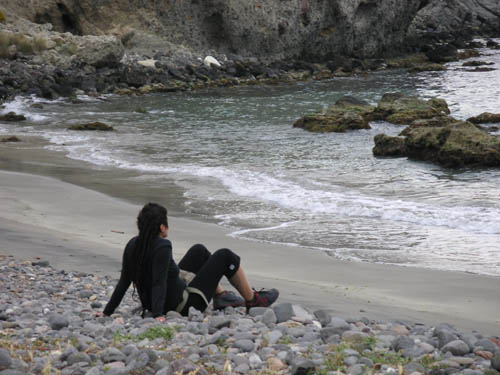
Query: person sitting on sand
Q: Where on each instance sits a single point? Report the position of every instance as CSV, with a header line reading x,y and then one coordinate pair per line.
x,y
148,263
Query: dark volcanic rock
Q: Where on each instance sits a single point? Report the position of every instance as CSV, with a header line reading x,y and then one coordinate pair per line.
x,y
91,126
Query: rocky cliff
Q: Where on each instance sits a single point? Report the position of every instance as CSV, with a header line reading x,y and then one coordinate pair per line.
x,y
314,30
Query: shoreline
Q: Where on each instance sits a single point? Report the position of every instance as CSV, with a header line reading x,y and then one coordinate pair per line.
x,y
41,218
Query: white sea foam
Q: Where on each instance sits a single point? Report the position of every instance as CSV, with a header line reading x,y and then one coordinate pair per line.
x,y
21,106
263,187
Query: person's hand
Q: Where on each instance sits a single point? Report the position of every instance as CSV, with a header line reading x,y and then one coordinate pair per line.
x,y
99,314
161,319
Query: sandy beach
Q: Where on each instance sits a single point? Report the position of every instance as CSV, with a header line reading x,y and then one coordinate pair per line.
x,y
76,228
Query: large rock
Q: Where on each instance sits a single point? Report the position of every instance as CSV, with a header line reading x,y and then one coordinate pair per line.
x,y
347,113
456,145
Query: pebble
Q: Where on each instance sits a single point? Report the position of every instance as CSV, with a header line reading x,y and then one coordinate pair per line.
x,y
49,318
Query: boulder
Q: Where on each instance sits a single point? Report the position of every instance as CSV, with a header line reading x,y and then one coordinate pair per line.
x,y
12,117
485,118
91,126
389,146
347,113
400,109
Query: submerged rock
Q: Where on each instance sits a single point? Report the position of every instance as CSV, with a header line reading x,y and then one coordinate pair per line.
x,y
485,118
91,126
477,63
430,67
12,116
10,139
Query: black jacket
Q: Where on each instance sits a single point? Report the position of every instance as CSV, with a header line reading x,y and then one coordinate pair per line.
x,y
162,289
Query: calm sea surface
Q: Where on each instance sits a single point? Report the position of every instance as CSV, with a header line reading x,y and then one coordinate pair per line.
x,y
239,162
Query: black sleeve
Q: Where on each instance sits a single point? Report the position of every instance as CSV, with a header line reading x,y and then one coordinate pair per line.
x,y
120,288
161,263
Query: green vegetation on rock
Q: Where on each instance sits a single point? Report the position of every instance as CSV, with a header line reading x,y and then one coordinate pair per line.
x,y
11,43
152,333
2,17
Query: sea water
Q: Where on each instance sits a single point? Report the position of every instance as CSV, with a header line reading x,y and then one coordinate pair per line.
x,y
238,161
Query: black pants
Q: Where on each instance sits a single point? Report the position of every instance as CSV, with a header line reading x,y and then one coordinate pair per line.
x,y
209,269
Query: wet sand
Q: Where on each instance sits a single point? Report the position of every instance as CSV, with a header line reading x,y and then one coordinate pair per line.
x,y
80,229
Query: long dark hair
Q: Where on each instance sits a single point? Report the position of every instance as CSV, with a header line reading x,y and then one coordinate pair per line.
x,y
149,220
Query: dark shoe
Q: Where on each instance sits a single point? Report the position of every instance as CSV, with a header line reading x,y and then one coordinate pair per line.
x,y
263,298
226,299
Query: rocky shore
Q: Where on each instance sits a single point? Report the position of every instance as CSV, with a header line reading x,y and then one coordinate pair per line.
x,y
48,326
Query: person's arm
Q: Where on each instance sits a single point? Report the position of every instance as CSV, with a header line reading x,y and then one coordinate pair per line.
x,y
120,289
161,263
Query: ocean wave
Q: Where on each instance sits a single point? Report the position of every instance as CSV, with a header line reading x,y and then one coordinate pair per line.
x,y
264,187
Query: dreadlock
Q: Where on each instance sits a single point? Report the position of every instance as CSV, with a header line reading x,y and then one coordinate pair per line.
x,y
149,220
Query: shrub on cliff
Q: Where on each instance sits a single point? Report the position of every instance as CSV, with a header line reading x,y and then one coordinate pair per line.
x,y
2,17
22,43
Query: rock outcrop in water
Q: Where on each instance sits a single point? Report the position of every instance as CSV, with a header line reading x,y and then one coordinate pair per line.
x,y
349,113
445,141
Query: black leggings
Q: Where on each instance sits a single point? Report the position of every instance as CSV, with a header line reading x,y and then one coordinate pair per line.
x,y
209,269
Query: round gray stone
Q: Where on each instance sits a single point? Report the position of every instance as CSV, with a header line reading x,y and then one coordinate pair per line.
x,y
112,355
85,294
5,359
456,347
244,345
495,361
486,344
303,367
78,357
58,321
283,311
323,316
269,318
